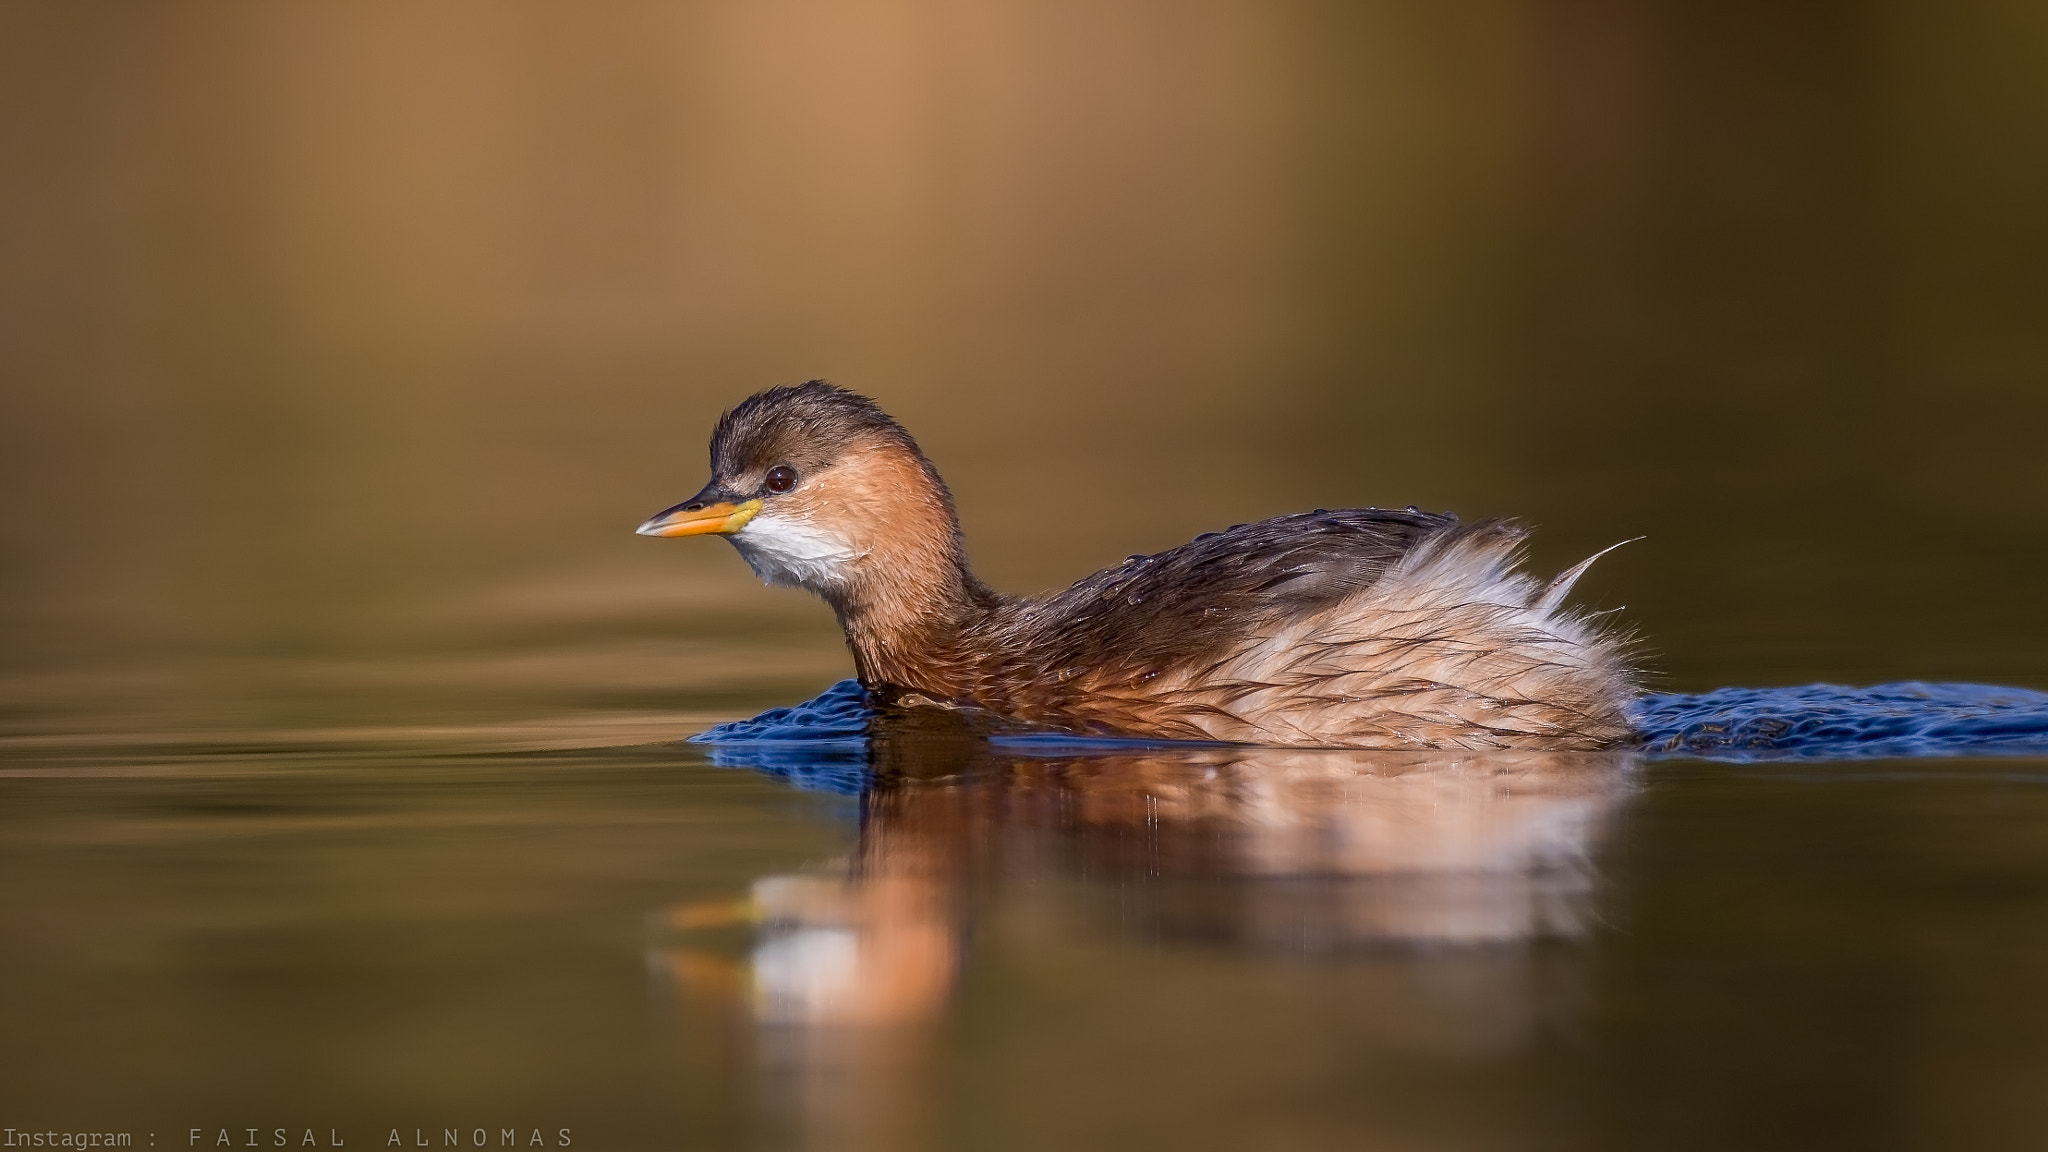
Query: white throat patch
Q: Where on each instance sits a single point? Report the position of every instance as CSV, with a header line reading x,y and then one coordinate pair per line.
x,y
793,552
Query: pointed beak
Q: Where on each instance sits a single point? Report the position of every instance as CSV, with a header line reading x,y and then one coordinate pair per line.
x,y
701,516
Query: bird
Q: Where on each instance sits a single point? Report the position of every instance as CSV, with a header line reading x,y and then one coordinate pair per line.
x,y
1339,628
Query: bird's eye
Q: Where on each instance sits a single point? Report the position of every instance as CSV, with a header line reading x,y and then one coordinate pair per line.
x,y
781,478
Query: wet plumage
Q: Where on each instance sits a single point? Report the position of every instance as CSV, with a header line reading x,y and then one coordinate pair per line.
x,y
1344,627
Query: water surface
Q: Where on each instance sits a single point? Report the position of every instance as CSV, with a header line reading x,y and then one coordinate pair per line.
x,y
1210,948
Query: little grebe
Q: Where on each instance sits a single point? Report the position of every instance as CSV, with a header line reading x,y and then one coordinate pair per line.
x,y
1350,627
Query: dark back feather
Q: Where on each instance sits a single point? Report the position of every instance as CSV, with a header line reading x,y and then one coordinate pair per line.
x,y
1197,599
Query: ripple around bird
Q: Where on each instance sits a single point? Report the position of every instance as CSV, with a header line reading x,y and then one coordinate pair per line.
x,y
822,742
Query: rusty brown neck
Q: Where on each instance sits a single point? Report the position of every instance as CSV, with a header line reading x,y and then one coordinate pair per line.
x,y
913,620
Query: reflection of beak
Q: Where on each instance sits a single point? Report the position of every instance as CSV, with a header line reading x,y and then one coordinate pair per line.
x,y
700,518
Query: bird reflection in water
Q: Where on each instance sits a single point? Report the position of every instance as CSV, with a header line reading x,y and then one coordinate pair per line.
x,y
832,986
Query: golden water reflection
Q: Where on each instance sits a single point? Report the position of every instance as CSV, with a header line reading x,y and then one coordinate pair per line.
x,y
834,985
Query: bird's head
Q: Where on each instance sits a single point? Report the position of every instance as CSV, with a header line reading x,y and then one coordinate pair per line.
x,y
818,488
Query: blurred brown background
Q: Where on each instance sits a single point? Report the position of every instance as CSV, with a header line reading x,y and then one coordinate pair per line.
x,y
343,344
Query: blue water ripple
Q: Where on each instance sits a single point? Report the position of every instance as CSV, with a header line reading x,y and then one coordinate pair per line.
x,y
1829,722
822,742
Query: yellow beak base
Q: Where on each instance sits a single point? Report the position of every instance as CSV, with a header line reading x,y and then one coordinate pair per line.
x,y
721,519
